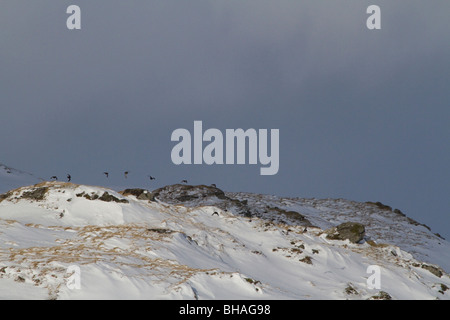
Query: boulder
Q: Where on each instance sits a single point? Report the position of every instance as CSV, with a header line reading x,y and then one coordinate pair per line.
x,y
180,193
352,231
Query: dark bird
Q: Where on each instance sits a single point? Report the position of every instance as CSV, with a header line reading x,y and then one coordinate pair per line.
x,y
184,181
106,174
215,212
54,178
126,174
69,178
152,178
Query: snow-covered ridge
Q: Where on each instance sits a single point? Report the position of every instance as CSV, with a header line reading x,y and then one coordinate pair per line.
x,y
383,224
198,242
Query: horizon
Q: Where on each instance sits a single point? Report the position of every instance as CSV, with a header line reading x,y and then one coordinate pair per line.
x,y
120,188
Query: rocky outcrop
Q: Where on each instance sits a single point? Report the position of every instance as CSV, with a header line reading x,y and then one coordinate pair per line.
x,y
202,195
4,196
434,270
352,231
37,194
140,194
104,197
181,193
293,216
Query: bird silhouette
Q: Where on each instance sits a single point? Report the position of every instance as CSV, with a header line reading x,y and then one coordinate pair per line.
x,y
126,174
69,177
152,178
54,178
106,174
184,181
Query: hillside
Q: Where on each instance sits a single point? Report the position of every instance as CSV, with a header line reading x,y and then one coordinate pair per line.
x,y
199,242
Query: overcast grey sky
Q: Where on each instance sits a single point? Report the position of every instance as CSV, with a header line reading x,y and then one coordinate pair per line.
x,y
363,115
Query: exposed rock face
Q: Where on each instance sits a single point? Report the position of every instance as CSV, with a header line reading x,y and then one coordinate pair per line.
x,y
140,194
434,270
36,194
104,197
4,196
294,216
352,231
184,193
202,195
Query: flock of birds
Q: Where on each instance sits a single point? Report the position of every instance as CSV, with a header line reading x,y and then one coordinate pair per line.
x,y
69,177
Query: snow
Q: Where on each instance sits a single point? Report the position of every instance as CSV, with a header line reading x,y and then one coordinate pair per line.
x,y
139,249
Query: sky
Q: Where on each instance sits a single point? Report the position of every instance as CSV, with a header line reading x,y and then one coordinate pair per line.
x,y
362,114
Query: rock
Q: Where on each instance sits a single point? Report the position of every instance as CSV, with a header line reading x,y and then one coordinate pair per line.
x,y
161,230
352,231
382,295
350,290
5,196
193,196
36,194
399,212
307,260
185,193
436,271
380,205
140,194
294,216
443,288
108,198
104,197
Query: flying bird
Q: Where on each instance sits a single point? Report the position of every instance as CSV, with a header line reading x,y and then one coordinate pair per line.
x,y
184,181
126,174
69,177
106,174
54,178
152,178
